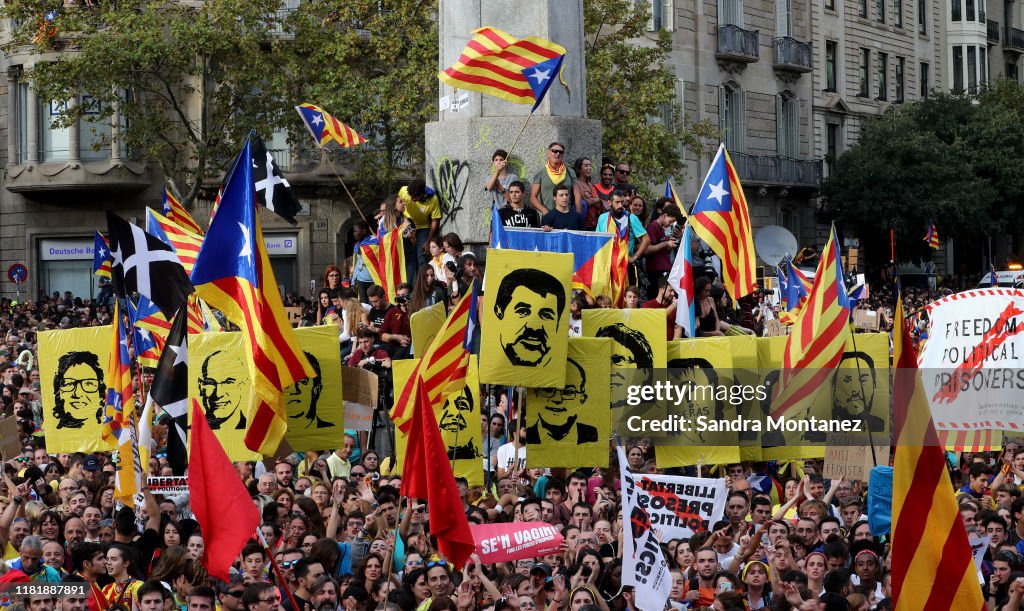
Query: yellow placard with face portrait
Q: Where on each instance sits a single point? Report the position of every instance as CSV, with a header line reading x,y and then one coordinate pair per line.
x,y
525,318
72,382
638,340
862,377
570,426
316,412
219,377
703,362
459,420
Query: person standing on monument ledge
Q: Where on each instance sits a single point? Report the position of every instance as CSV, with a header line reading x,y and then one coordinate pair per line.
x,y
554,173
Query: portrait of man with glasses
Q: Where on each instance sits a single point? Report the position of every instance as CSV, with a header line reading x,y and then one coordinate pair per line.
x,y
78,390
558,410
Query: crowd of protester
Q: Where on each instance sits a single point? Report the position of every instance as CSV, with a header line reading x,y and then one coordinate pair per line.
x,y
340,535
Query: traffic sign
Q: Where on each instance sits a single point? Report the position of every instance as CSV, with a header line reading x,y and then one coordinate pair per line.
x,y
17,273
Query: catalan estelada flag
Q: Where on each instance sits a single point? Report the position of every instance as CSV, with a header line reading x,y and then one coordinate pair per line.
x,y
670,193
325,128
119,418
931,237
184,242
816,342
499,64
798,287
932,563
148,344
233,274
101,258
384,255
591,251
444,364
619,278
721,218
177,214
148,316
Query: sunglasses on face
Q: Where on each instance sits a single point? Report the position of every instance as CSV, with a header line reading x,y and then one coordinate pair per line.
x,y
287,564
557,152
626,172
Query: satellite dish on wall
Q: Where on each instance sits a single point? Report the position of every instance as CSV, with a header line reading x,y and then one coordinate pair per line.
x,y
774,243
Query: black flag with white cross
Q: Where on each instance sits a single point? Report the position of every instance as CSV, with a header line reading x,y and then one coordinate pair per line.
x,y
170,391
272,189
143,264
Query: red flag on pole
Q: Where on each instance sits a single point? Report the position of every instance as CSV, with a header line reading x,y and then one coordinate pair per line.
x,y
220,502
428,475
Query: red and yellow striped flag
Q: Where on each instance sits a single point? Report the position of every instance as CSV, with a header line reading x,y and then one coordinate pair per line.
x,y
119,420
932,563
443,366
815,345
385,259
185,243
499,64
177,214
721,218
620,259
325,128
233,274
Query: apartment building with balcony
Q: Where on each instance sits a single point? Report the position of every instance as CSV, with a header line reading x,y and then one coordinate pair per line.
x,y
789,83
59,182
1000,56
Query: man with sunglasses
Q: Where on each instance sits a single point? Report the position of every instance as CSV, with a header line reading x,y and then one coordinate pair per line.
x,y
554,173
622,174
261,596
229,594
306,572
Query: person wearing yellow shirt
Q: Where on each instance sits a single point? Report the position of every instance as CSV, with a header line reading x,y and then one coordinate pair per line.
x,y
423,208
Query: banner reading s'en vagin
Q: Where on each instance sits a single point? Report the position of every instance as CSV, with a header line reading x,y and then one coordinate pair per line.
x,y
73,387
972,364
525,318
515,541
681,506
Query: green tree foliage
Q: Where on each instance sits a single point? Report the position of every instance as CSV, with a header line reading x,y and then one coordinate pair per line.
x,y
631,91
192,78
953,159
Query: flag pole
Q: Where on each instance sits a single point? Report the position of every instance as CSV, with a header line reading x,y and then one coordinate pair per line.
x,y
520,134
330,161
277,569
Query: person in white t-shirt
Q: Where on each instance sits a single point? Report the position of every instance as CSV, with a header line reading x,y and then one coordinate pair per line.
x,y
507,465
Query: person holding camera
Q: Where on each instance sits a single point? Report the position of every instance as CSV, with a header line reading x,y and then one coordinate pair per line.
x,y
665,232
395,331
366,356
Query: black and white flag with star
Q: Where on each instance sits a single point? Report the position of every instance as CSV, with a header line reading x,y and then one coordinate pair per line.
x,y
272,189
143,264
170,390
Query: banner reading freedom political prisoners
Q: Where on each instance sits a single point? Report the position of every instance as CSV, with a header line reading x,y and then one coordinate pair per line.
x,y
972,363
680,506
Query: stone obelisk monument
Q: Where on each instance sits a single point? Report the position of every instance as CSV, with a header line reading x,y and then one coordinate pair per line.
x,y
471,126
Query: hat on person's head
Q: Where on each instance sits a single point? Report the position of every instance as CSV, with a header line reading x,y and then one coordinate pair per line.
x,y
65,322
541,567
90,463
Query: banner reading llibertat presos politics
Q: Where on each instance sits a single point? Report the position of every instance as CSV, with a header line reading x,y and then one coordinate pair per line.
x,y
680,506
973,362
